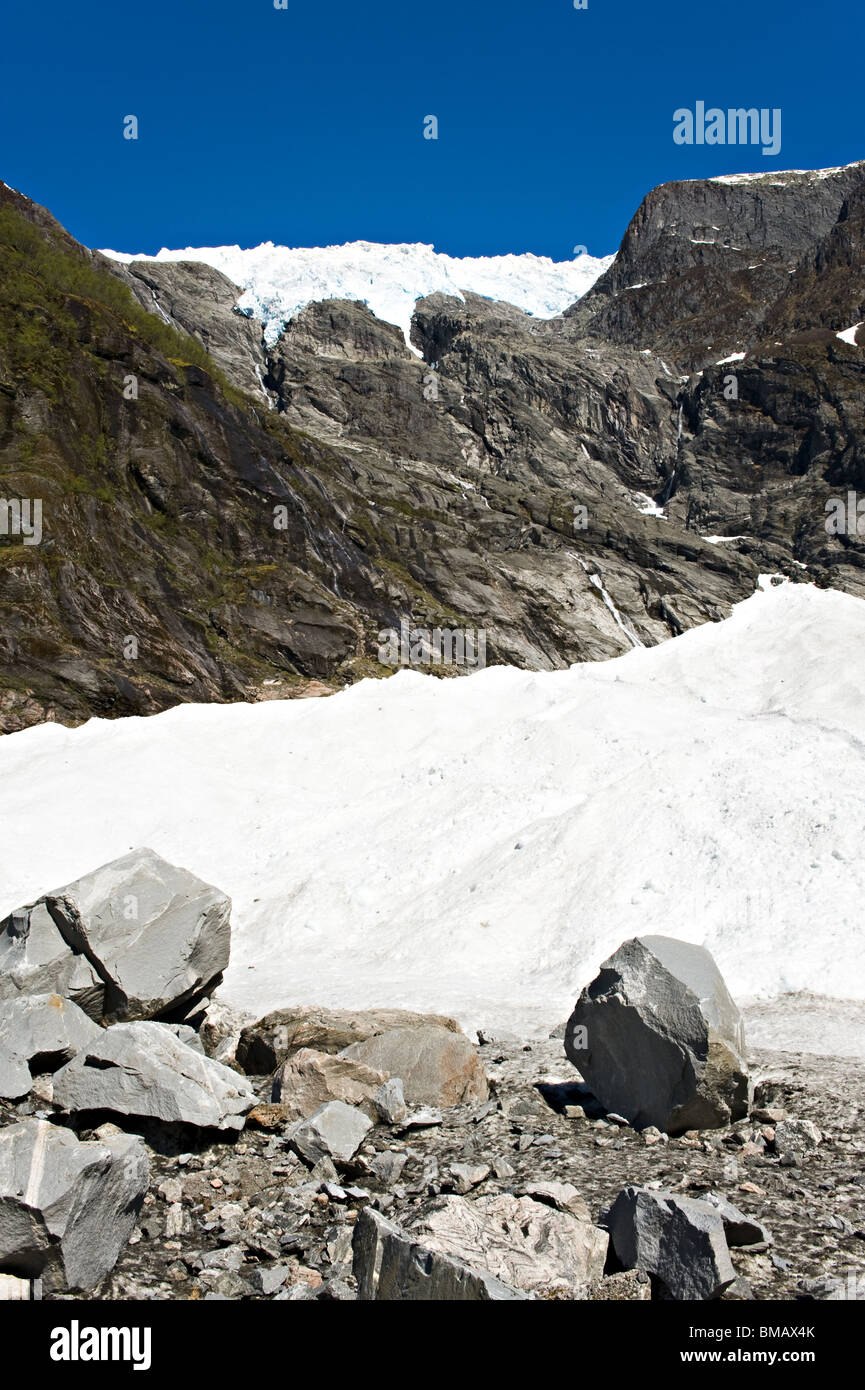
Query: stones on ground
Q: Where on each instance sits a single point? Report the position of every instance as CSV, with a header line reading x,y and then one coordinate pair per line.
x,y
678,1240
309,1079
336,1132
264,1045
628,1286
67,1208
658,1039
144,1070
739,1229
39,1033
135,939
437,1066
392,1265
526,1244
389,1102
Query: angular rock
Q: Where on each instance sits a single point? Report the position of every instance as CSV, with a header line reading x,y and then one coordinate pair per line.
x,y
39,1033
465,1176
526,1244
739,1229
658,1039
273,1039
144,1070
392,1265
679,1240
561,1195
336,1131
67,1208
135,939
309,1079
795,1139
389,1102
436,1066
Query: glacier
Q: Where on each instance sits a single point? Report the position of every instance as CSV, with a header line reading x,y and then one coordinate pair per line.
x,y
478,846
278,281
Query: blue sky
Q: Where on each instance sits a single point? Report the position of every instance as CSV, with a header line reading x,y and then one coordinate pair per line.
x,y
305,126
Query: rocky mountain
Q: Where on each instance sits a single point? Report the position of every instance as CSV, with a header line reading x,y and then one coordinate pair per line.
x,y
226,518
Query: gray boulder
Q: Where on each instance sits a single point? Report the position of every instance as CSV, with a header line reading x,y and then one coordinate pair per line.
x,y
336,1131
145,1070
436,1066
677,1239
39,1033
391,1265
67,1208
528,1245
658,1039
137,938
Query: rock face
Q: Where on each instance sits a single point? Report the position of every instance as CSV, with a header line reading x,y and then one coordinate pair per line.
x,y
39,1033
144,1070
678,1240
67,1208
391,1265
436,1066
455,506
278,1036
705,264
659,1040
526,1244
309,1079
137,938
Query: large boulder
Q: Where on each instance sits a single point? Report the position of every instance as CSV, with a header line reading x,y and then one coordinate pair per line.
x,y
39,1033
135,939
437,1066
264,1045
309,1079
144,1070
659,1040
392,1265
679,1240
528,1245
67,1208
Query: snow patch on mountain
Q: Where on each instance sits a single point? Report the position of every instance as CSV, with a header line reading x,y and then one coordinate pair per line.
x,y
278,281
779,176
478,846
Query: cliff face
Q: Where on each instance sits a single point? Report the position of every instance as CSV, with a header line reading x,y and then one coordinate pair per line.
x,y
248,521
704,263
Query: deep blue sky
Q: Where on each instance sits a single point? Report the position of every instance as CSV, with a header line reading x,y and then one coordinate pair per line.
x,y
304,126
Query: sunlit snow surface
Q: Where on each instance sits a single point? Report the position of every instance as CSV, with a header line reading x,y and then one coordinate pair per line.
x,y
277,281
478,846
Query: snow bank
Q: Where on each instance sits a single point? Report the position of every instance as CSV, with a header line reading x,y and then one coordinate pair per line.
x,y
277,281
477,846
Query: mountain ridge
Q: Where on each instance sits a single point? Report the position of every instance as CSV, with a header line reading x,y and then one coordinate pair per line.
x,y
555,482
